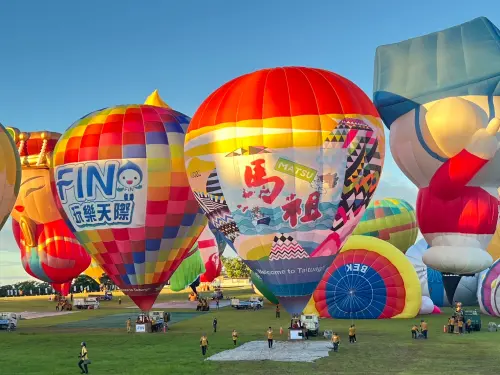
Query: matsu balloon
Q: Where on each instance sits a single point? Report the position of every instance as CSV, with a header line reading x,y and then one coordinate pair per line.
x,y
219,237
10,173
120,177
49,250
282,161
207,243
392,220
369,279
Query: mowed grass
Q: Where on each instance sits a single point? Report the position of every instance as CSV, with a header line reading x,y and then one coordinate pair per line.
x,y
384,346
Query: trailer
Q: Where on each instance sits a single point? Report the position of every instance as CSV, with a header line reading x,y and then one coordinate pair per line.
x,y
8,321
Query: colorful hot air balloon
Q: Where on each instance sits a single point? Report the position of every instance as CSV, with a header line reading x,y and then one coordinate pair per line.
x,y
209,251
94,271
261,289
439,95
189,270
49,251
10,173
219,237
392,220
282,161
369,279
489,290
122,184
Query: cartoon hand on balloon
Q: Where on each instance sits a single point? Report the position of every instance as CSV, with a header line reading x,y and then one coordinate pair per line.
x,y
484,143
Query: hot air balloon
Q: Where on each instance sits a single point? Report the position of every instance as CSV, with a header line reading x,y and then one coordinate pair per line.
x,y
189,271
209,251
443,290
219,238
49,250
94,271
120,178
392,220
261,289
443,136
369,279
10,173
282,161
494,246
489,290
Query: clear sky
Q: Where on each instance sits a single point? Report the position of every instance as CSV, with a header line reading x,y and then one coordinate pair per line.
x,y
60,60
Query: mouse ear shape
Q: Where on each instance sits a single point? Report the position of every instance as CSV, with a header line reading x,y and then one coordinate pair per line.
x,y
493,126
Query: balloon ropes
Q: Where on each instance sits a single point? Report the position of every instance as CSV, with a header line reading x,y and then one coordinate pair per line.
x,y
369,279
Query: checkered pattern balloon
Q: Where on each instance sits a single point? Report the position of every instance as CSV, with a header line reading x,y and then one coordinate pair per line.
x,y
120,177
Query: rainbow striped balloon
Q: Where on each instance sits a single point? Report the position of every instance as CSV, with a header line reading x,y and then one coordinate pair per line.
x,y
120,177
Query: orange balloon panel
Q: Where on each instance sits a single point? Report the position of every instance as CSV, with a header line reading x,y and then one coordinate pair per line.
x,y
10,174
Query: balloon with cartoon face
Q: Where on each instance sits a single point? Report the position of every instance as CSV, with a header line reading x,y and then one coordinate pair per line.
x,y
10,174
439,101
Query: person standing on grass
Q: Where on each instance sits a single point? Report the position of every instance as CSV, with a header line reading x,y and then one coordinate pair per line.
x,y
468,326
217,303
278,311
352,333
235,336
204,344
129,325
414,331
270,338
214,324
335,341
84,359
461,326
451,322
423,328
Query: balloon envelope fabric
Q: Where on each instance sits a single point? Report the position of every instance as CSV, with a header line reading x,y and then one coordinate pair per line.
x,y
261,289
122,184
282,161
489,291
392,220
369,279
10,173
189,271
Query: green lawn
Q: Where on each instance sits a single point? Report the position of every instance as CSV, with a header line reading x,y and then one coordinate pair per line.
x,y
51,345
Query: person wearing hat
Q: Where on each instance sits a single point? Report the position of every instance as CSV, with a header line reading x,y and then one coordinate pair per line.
x,y
439,95
84,359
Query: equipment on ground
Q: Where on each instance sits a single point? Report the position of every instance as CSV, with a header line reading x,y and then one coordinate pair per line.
x,y
89,303
475,318
108,296
8,321
311,323
255,303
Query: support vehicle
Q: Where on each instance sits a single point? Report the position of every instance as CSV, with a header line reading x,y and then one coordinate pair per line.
x,y
108,296
311,323
8,321
86,303
255,303
475,318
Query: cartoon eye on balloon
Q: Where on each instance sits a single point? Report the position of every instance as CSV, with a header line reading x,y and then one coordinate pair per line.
x,y
284,162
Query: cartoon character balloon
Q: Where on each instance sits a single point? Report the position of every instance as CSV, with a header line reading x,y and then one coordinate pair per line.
x,y
439,101
488,291
392,220
120,177
49,251
210,253
10,173
282,161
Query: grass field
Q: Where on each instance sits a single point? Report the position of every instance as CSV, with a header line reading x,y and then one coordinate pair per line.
x,y
51,345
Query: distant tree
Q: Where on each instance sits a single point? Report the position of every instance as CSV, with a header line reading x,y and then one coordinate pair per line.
x,y
4,290
84,282
27,287
107,282
235,268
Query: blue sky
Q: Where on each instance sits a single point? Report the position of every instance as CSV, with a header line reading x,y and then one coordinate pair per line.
x,y
62,59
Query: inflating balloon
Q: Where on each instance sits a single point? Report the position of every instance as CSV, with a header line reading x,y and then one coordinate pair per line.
x,y
489,290
282,161
442,290
94,271
189,271
120,177
494,245
10,173
49,250
63,289
439,100
369,279
392,220
209,250
219,237
261,289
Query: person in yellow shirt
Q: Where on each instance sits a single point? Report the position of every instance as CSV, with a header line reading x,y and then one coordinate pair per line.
x,y
335,341
352,334
270,338
451,323
204,344
468,326
423,328
461,326
84,359
235,336
414,331
129,325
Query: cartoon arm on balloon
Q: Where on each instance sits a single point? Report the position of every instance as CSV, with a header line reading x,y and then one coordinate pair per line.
x,y
454,174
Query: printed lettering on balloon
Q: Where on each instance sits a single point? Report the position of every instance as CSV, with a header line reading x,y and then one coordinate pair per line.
x,y
293,209
98,194
356,267
257,177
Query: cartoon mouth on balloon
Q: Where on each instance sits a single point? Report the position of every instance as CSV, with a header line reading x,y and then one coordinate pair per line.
x,y
129,182
19,208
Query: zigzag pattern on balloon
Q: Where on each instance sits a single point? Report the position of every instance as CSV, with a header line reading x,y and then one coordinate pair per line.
x,y
285,247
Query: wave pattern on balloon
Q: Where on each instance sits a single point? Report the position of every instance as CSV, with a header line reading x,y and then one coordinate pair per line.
x,y
282,161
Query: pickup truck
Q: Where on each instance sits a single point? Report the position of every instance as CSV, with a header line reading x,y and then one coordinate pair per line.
x,y
108,296
255,303
86,303
8,321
